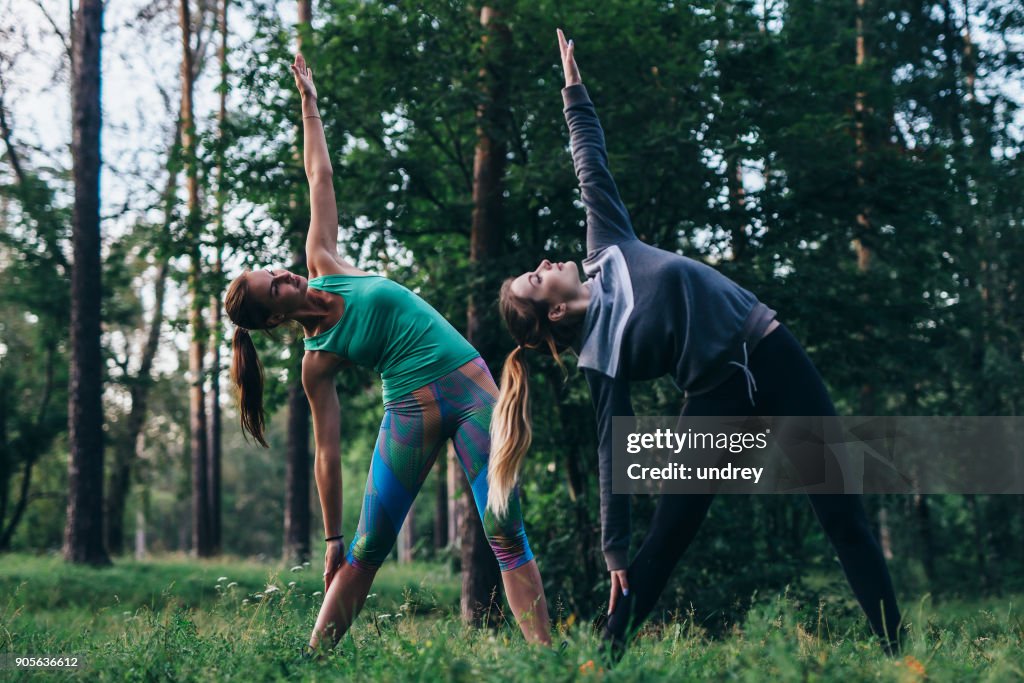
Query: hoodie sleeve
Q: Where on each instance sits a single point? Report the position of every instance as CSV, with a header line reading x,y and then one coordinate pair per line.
x,y
607,219
611,398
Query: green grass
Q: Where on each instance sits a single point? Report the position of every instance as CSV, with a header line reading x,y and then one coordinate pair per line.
x,y
177,619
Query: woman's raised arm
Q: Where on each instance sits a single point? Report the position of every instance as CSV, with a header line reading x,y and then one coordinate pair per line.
x,y
322,238
607,219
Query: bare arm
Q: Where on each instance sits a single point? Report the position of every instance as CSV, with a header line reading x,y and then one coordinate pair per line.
x,y
322,238
318,381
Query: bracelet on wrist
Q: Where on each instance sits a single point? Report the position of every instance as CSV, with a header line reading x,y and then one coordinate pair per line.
x,y
335,538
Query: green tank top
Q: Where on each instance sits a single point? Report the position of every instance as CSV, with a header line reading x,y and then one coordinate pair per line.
x,y
390,329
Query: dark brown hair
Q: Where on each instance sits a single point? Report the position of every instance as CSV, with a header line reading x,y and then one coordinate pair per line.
x,y
511,432
246,369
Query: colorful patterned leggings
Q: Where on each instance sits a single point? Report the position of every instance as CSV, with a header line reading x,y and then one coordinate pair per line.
x,y
457,406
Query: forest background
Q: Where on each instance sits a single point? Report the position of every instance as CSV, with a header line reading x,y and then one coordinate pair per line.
x,y
855,163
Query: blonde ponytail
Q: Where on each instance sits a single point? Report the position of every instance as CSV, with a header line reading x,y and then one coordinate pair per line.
x,y
511,432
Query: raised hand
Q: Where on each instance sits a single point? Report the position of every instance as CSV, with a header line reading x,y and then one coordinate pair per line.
x,y
572,72
303,77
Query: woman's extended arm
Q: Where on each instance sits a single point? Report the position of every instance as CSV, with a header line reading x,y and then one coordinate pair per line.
x,y
322,238
318,381
607,219
611,399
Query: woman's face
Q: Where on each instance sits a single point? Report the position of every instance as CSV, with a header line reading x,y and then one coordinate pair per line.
x,y
277,290
553,283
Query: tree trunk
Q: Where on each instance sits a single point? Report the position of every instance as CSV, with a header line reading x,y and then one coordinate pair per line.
x,y
140,533
217,333
924,529
197,347
979,533
863,216
454,480
83,532
407,536
884,534
297,467
739,226
862,226
480,575
441,505
297,478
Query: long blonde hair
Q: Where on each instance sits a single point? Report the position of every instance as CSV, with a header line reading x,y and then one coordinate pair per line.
x,y
511,431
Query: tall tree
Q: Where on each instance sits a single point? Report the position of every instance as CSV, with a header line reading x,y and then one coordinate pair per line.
x,y
197,346
217,333
83,534
297,463
480,575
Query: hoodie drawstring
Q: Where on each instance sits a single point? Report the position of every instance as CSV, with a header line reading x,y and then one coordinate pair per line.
x,y
751,384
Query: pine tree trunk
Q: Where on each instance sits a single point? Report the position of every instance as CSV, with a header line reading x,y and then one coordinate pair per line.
x,y
480,575
297,478
862,227
297,467
216,324
924,528
83,532
441,505
197,346
739,226
407,536
884,534
979,533
454,479
140,534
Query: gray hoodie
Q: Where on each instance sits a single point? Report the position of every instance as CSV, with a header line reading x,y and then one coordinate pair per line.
x,y
652,313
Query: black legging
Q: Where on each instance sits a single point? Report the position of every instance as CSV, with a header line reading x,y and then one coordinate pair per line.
x,y
787,384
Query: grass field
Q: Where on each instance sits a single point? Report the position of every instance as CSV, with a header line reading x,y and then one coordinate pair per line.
x,y
182,619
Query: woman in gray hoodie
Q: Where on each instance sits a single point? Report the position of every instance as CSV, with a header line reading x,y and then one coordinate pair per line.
x,y
644,313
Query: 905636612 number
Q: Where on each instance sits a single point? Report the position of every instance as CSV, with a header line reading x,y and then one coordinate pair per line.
x,y
13,661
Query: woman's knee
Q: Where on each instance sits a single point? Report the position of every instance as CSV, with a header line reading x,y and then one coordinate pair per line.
x,y
511,553
508,542
368,553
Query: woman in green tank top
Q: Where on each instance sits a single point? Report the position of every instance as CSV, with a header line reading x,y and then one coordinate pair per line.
x,y
436,388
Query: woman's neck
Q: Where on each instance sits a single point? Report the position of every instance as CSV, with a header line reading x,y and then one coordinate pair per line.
x,y
576,308
317,306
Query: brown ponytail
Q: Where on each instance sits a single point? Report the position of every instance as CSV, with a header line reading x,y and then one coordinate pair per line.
x,y
246,369
247,373
511,431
